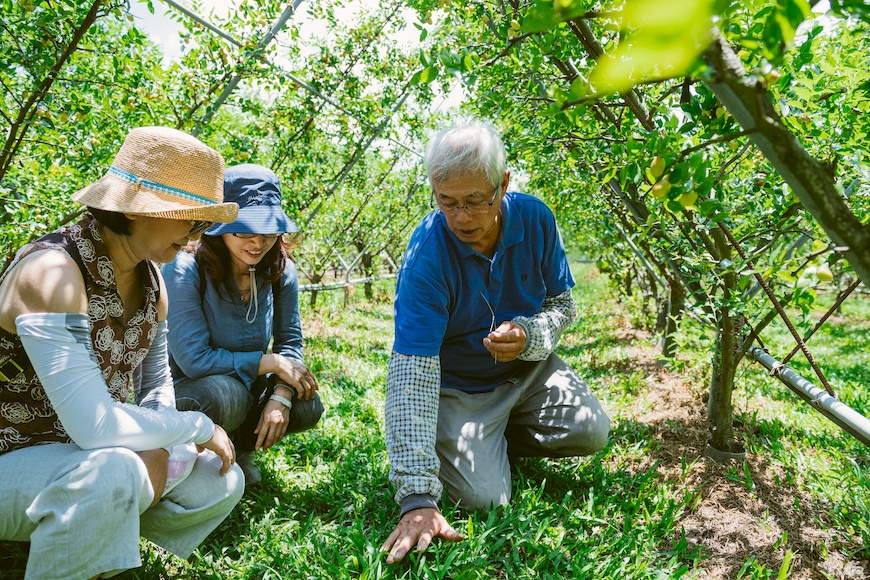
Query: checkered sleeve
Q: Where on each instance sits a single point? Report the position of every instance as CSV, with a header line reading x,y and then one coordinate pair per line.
x,y
544,328
411,415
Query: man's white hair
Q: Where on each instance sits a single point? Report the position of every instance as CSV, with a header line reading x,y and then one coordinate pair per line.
x,y
470,148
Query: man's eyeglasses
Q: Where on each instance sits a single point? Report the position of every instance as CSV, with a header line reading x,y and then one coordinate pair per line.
x,y
477,208
198,226
249,236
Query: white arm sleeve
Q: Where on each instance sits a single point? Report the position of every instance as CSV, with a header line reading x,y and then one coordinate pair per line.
x,y
153,379
56,344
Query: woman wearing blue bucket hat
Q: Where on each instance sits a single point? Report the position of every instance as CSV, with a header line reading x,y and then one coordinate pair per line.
x,y
238,292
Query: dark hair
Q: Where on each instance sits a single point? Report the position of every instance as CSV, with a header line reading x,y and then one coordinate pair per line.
x,y
213,257
114,220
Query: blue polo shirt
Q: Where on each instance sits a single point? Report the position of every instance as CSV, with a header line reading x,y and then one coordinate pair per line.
x,y
444,286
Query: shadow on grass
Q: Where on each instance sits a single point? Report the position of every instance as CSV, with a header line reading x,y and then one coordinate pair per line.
x,y
13,559
726,514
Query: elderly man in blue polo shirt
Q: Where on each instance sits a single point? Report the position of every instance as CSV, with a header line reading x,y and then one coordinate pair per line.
x,y
484,293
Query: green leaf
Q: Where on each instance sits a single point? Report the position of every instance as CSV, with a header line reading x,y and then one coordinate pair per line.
x,y
786,563
786,277
548,14
470,60
425,76
664,39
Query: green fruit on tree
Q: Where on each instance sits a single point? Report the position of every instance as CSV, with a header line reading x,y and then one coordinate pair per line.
x,y
823,273
661,189
688,198
657,167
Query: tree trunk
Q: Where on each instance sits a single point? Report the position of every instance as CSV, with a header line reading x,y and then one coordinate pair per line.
x,y
18,127
315,279
366,266
719,407
675,304
369,273
751,105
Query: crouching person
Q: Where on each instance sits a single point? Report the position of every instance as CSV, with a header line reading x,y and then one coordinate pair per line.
x,y
483,295
83,474
231,301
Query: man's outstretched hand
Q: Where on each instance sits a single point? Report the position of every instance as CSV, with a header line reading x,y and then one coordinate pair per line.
x,y
418,527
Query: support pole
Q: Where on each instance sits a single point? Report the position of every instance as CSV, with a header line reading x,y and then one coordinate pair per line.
x,y
849,420
289,11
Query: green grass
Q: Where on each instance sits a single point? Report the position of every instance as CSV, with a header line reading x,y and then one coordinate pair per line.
x,y
325,506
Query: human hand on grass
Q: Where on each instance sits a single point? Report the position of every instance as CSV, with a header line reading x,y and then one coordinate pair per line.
x,y
506,342
418,527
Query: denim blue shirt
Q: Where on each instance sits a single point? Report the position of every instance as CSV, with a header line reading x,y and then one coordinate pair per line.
x,y
208,333
445,285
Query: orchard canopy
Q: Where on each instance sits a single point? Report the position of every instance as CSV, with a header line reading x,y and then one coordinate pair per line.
x,y
709,155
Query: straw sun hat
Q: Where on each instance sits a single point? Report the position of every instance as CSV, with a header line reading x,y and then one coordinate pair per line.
x,y
162,172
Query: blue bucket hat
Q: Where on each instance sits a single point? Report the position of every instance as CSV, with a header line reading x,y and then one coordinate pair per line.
x,y
257,191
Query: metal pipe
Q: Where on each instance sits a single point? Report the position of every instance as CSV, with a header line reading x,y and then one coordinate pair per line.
x,y
289,11
848,419
649,267
194,16
340,285
352,264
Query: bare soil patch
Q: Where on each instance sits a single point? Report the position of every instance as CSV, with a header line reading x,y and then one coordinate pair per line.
x,y
733,521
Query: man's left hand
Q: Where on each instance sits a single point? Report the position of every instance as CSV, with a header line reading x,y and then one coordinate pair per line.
x,y
506,342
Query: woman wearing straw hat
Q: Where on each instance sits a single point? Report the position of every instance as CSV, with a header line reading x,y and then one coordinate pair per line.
x,y
227,303
82,324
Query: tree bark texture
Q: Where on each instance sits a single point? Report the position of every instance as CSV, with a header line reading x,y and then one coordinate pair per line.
x,y
748,101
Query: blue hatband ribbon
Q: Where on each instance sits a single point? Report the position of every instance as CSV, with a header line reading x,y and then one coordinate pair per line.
x,y
139,182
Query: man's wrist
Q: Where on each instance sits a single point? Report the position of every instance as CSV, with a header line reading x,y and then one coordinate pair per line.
x,y
523,323
417,501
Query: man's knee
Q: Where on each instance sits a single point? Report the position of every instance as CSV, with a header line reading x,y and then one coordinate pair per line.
x,y
588,436
481,497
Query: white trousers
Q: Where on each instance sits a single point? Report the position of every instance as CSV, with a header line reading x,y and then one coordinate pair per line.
x,y
84,511
548,412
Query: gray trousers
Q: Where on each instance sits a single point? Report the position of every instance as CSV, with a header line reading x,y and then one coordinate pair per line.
x,y
83,511
228,403
548,412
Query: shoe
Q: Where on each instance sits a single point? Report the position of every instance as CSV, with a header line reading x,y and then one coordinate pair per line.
x,y
249,467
